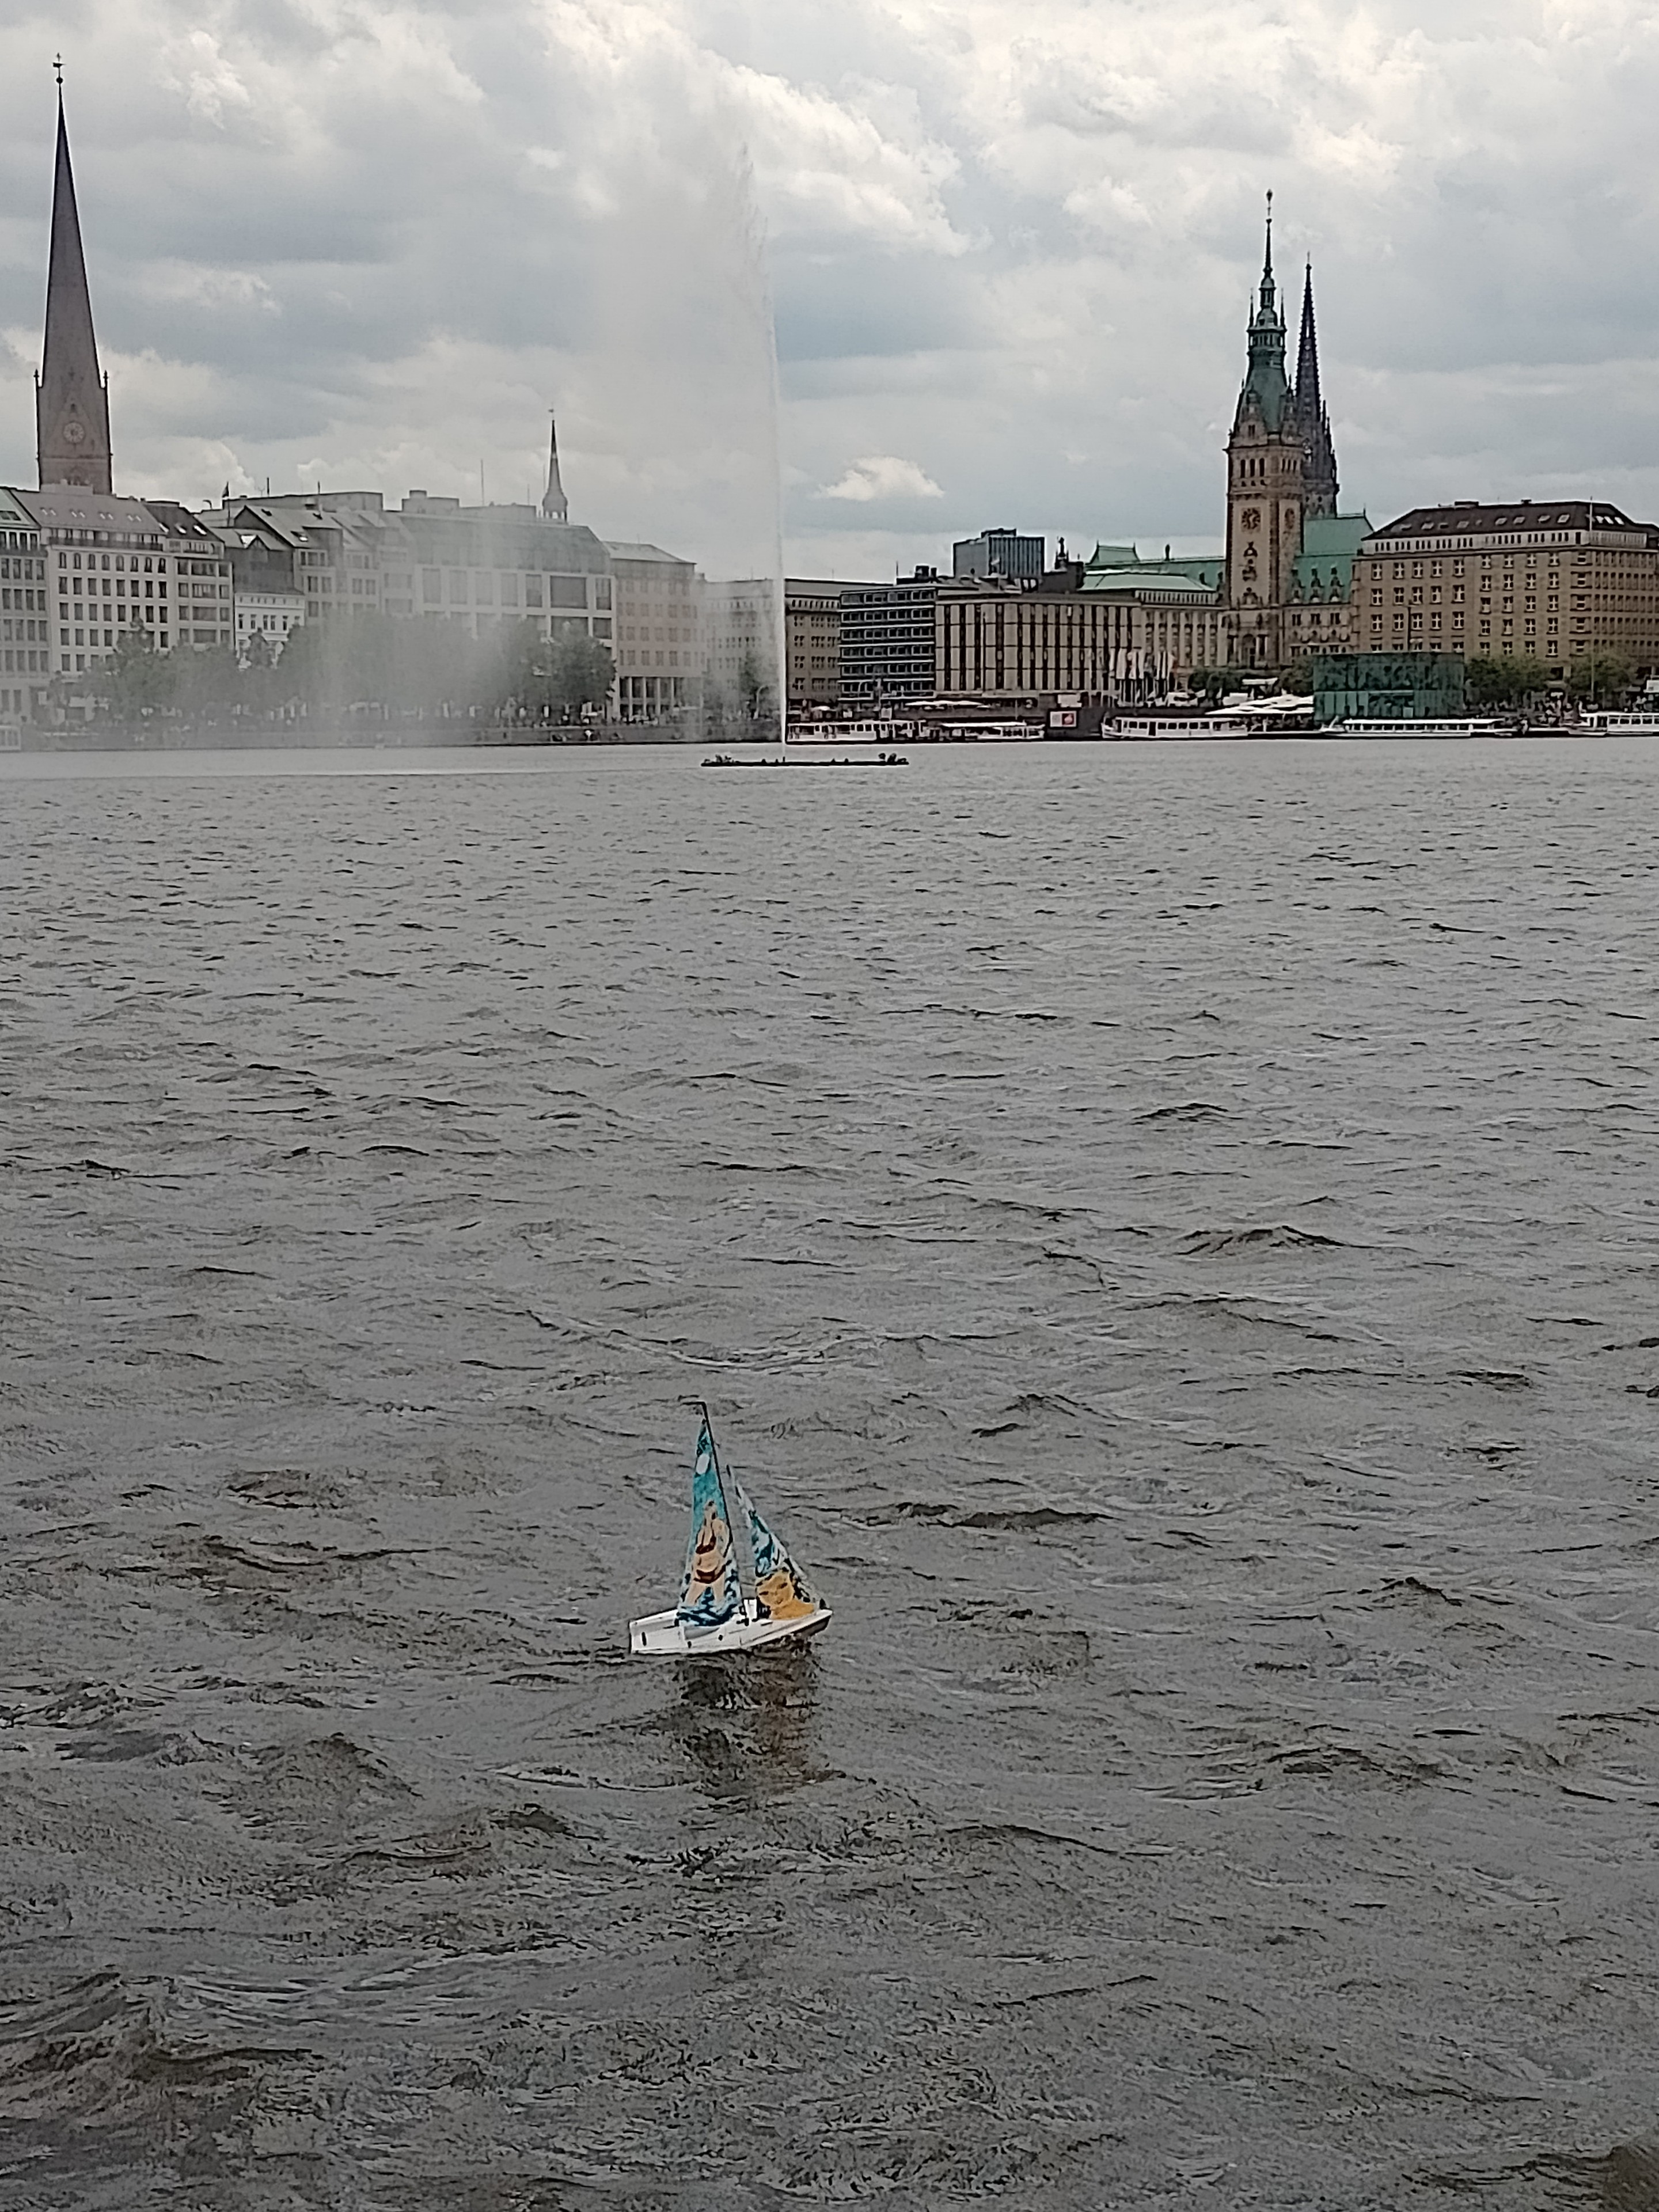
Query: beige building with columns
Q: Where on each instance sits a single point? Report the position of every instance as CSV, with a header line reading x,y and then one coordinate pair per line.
x,y
658,630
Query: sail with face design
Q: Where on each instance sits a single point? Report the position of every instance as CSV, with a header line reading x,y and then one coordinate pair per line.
x,y
711,1593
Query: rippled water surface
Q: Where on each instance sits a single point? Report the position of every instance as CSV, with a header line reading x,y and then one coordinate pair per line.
x,y
1168,1234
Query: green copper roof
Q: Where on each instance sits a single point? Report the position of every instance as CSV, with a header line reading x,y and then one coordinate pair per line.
x,y
1190,575
1335,537
1325,564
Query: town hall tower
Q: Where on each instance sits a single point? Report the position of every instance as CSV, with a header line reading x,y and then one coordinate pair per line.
x,y
1281,473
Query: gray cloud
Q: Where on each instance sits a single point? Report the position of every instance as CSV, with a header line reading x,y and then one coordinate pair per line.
x,y
373,240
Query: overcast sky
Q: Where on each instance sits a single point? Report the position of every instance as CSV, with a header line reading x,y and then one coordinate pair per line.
x,y
1009,244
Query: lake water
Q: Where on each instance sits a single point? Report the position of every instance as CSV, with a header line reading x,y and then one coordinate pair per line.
x,y
1169,1236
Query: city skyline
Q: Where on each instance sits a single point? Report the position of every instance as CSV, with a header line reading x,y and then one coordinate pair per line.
x,y
378,256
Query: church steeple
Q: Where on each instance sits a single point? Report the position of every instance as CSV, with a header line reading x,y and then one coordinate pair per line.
x,y
555,506
72,399
1312,420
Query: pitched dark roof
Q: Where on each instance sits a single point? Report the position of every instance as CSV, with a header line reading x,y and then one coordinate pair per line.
x,y
1469,518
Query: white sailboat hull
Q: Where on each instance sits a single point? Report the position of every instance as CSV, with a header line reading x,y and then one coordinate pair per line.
x,y
660,1636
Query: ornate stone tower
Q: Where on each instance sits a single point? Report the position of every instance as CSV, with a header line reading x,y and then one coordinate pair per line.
x,y
1267,485
72,399
1315,424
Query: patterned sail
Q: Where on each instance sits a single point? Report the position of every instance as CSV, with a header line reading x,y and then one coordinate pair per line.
x,y
780,1592
711,1593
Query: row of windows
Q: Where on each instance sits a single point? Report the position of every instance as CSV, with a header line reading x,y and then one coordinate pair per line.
x,y
1582,563
128,564
151,589
90,636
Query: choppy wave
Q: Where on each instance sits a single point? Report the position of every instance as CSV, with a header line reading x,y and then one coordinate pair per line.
x,y
1178,1270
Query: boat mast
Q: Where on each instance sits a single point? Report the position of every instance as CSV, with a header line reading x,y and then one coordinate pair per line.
x,y
743,1536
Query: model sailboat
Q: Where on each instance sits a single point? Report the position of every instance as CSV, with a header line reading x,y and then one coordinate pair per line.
x,y
741,1587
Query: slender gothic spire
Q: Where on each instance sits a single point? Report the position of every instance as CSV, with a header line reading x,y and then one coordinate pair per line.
x,y
72,400
555,506
1313,422
1307,358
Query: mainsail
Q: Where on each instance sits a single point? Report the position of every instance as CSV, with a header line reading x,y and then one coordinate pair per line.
x,y
780,1593
711,1593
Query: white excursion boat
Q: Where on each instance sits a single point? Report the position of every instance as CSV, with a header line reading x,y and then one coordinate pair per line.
x,y
1402,726
722,1607
1645,723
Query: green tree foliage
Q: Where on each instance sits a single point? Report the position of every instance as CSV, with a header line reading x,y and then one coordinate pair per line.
x,y
718,710
1505,683
136,681
757,698
367,668
1602,678
582,671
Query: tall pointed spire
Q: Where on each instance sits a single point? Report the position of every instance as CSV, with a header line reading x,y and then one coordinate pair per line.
x,y
1267,259
1319,474
72,400
555,506
1264,389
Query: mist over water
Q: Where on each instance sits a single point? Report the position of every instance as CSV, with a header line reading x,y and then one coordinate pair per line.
x,y
673,370
1166,1233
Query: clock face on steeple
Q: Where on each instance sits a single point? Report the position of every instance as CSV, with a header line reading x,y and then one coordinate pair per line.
x,y
74,434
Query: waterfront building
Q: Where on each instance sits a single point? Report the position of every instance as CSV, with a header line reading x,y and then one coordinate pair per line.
x,y
1290,555
198,562
813,628
1006,553
104,566
25,638
272,617
1116,627
657,650
1552,581
478,568
740,644
1164,618
265,589
889,640
1012,642
113,566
